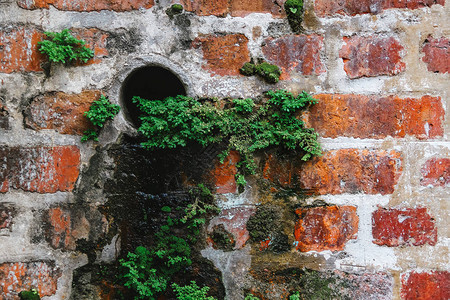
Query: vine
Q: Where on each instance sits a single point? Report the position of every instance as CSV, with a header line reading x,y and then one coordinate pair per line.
x,y
245,125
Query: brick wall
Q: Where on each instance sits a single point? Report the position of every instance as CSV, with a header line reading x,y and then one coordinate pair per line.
x,y
369,217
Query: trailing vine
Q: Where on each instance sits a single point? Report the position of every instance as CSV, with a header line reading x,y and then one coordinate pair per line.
x,y
245,125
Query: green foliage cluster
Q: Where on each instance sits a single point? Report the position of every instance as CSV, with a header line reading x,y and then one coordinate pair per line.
x,y
64,47
175,9
99,112
294,13
29,295
243,124
270,73
148,272
191,292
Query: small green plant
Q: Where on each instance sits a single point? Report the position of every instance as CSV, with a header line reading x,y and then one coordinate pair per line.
x,y
99,112
29,295
191,292
294,12
295,296
64,47
270,73
244,125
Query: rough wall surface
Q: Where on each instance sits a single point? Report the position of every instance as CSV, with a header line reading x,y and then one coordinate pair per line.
x,y
375,224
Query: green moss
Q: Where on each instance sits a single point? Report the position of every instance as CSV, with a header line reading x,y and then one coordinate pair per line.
x,y
294,12
175,9
270,73
248,69
29,295
262,224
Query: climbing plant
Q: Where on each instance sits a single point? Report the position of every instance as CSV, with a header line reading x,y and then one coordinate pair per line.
x,y
149,271
245,125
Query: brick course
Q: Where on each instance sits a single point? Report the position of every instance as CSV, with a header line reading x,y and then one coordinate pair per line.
x,y
339,171
325,228
402,227
371,56
39,169
60,111
434,285
436,172
376,117
86,5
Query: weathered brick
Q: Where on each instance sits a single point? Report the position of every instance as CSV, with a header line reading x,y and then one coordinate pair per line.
x,y
241,8
21,276
298,53
223,175
400,227
60,111
236,8
376,117
206,8
234,221
436,172
325,8
96,40
85,5
325,228
59,231
371,56
4,119
434,285
224,54
339,171
39,169
7,214
437,54
18,49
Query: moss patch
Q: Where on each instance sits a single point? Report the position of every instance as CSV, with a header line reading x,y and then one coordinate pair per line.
x,y
222,239
269,73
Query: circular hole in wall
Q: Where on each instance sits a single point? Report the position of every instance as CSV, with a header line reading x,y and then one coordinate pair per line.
x,y
150,82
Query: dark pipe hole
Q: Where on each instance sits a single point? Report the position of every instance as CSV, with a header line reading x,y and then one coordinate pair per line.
x,y
151,83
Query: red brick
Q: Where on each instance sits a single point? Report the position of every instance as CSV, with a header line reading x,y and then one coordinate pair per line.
x,y
4,119
376,117
237,8
96,40
325,228
39,169
16,277
234,221
224,54
371,56
298,53
223,175
59,232
206,7
437,54
339,171
7,214
400,227
241,8
18,49
60,111
434,285
436,172
86,5
325,8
